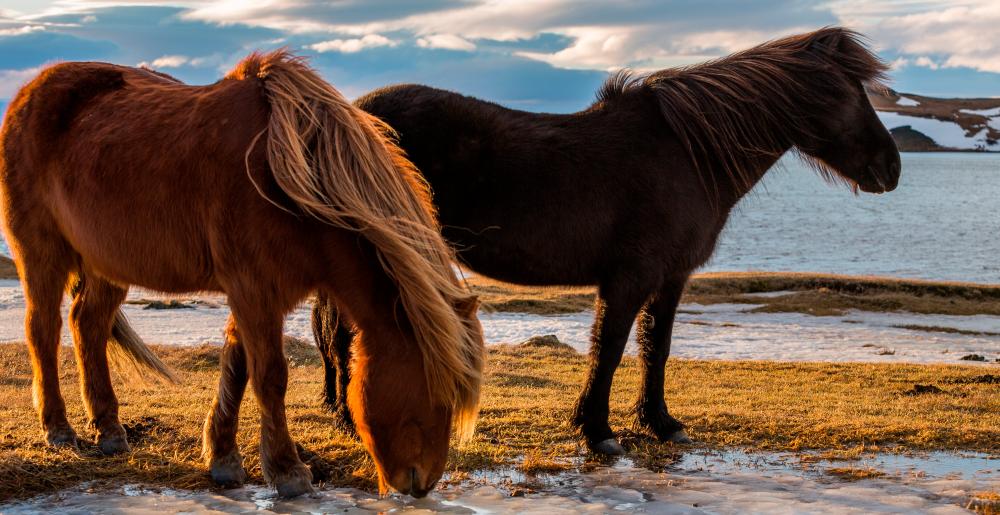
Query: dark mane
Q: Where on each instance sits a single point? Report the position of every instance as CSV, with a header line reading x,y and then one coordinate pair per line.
x,y
716,108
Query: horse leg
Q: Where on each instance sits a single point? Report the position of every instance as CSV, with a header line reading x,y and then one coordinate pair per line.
x,y
615,311
655,326
219,438
91,317
333,337
260,334
44,282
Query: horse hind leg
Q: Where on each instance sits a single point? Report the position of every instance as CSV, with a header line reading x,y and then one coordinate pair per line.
x,y
91,318
333,338
44,279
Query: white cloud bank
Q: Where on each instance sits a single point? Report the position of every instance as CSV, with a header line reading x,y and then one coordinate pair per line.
x,y
447,42
350,46
12,80
605,35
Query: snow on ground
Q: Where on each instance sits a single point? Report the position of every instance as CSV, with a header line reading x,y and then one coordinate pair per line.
x,y
717,331
946,134
907,102
989,113
699,482
730,332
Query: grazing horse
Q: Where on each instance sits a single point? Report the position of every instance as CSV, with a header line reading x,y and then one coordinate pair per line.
x,y
632,193
267,186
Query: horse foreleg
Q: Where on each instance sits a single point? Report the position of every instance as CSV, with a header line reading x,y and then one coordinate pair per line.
x,y
91,316
616,308
655,326
260,333
219,439
333,338
43,292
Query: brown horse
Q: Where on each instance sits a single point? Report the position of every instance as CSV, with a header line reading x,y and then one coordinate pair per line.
x,y
267,185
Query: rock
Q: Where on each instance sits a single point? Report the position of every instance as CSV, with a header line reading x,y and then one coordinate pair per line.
x,y
973,357
920,389
548,341
171,304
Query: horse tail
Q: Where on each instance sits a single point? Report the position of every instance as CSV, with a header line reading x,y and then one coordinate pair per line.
x,y
127,352
339,165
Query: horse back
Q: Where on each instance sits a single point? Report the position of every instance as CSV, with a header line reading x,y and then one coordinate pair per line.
x,y
538,198
146,178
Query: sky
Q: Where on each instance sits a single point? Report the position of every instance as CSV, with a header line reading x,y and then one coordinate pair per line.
x,y
538,55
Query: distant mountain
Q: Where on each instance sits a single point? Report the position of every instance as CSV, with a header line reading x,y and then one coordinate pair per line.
x,y
928,124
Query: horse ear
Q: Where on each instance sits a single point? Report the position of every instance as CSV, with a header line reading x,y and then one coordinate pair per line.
x,y
467,306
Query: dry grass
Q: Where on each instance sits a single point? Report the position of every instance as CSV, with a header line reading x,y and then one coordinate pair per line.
x,y
816,294
855,473
985,503
528,397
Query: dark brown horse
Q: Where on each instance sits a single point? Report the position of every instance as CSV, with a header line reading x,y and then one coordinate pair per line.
x,y
267,185
630,194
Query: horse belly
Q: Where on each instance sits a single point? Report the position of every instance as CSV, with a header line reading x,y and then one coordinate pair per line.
x,y
130,243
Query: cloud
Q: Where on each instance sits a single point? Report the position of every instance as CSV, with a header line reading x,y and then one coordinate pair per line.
x,y
446,42
171,61
939,34
25,29
12,80
349,46
601,36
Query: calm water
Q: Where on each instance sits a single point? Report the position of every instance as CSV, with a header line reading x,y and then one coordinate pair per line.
x,y
943,222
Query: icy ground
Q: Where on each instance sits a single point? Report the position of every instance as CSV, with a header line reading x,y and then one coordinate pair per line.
x,y
718,331
700,482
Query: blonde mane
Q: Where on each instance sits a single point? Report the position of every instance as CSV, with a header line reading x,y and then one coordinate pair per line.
x,y
341,166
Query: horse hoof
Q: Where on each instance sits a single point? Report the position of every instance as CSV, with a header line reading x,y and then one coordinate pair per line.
x,y
228,471
679,436
64,437
115,444
296,482
610,447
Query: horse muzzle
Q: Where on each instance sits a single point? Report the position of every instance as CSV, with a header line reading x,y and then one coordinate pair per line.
x,y
883,177
412,482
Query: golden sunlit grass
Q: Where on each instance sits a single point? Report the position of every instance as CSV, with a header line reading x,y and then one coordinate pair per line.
x,y
855,473
816,294
526,402
985,503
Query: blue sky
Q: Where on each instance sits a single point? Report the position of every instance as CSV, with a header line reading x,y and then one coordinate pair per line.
x,y
542,55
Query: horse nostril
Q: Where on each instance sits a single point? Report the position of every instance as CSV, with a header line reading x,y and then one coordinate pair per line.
x,y
415,487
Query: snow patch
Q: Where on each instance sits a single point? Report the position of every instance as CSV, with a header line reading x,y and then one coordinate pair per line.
x,y
717,331
907,102
989,113
946,134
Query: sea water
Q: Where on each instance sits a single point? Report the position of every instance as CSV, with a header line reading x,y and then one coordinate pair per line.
x,y
942,222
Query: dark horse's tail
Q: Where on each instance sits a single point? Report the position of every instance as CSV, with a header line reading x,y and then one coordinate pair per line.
x,y
127,350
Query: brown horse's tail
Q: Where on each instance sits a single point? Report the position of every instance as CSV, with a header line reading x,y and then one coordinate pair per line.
x,y
339,165
127,351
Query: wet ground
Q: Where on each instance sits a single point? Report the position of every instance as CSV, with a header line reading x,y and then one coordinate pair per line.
x,y
697,482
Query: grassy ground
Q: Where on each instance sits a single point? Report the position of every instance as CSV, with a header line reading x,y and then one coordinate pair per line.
x,y
816,294
530,390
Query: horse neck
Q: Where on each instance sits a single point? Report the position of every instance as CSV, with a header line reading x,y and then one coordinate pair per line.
x,y
730,191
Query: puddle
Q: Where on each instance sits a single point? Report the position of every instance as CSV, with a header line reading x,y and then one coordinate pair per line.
x,y
697,482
